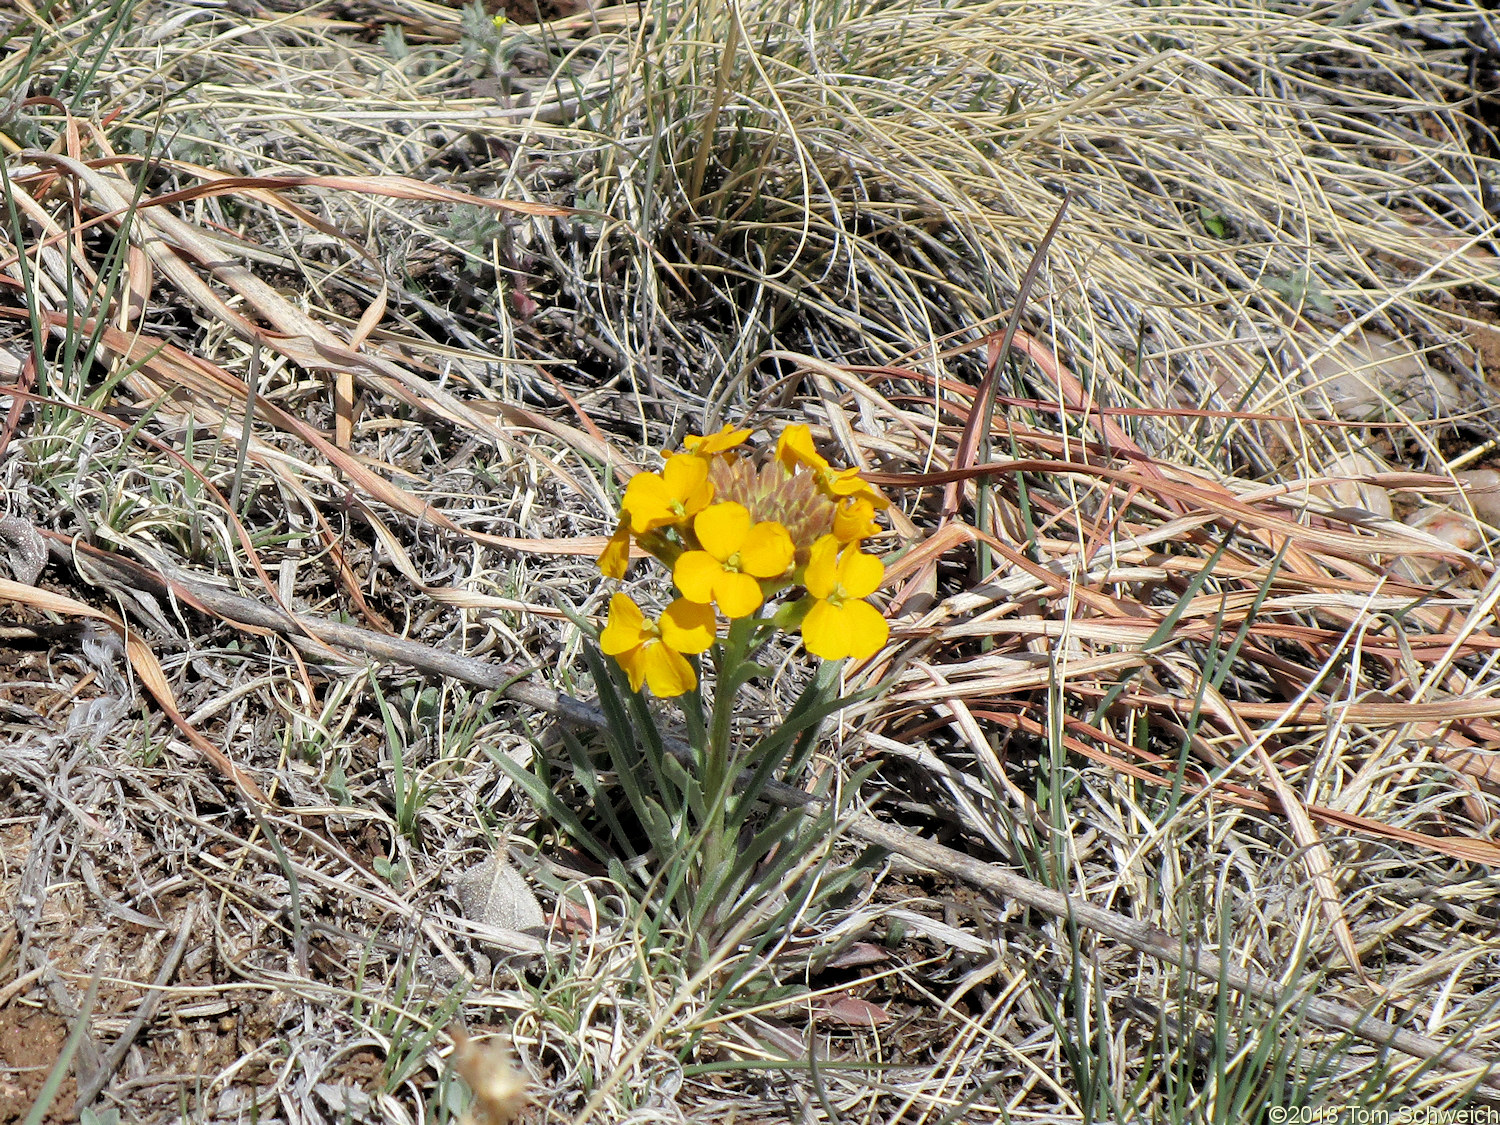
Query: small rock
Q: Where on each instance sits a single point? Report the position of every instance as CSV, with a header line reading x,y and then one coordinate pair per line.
x,y
493,893
1441,523
1450,527
1355,493
1482,490
1371,374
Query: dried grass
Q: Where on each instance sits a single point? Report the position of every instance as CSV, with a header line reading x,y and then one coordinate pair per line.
x,y
1144,651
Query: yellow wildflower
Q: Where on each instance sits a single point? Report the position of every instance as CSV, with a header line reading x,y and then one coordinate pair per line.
x,y
651,651
840,623
616,554
736,553
675,495
709,444
794,449
854,519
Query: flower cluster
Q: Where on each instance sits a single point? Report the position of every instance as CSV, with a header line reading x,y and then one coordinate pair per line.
x,y
735,534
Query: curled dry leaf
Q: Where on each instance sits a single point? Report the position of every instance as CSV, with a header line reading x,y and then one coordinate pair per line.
x,y
851,1011
858,954
25,550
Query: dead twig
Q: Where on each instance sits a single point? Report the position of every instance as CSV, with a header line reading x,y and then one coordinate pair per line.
x,y
89,1088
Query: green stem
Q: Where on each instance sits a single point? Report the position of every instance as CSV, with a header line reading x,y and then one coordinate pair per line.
x,y
718,768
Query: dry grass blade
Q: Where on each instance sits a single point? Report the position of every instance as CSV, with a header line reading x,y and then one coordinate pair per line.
x,y
1114,620
90,1088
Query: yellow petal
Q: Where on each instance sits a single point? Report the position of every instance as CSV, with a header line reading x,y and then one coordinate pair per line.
x,y
699,498
822,567
626,627
823,633
616,554
687,626
667,673
767,550
795,447
846,482
854,629
686,478
648,502
635,668
695,574
738,594
865,628
726,438
854,519
722,529
859,574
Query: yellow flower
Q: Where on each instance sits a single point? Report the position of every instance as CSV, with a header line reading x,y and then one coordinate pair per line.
x,y
616,554
735,554
846,483
709,444
651,651
840,623
854,519
674,495
794,449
